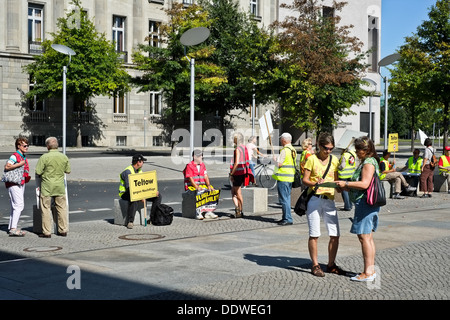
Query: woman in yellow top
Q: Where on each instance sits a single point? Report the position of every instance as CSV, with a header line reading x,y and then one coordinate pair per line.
x,y
321,205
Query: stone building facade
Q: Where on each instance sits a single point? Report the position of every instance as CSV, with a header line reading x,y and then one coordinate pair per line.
x,y
130,121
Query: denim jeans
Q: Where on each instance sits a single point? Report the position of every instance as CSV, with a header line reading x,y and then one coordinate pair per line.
x,y
252,167
345,196
284,196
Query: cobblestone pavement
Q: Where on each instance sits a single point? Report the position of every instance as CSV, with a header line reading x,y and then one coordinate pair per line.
x,y
228,259
238,259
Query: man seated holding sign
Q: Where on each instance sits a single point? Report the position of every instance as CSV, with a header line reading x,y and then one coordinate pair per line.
x,y
124,189
196,180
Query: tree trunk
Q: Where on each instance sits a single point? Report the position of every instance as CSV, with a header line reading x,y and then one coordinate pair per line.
x,y
413,136
446,117
79,140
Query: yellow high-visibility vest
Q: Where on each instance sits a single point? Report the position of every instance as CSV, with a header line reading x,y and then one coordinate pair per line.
x,y
415,167
445,163
122,188
287,170
350,165
386,167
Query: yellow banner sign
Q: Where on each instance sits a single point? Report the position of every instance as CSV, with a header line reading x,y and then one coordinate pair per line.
x,y
393,142
208,199
143,185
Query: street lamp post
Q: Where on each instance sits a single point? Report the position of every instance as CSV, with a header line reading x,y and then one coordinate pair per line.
x,y
383,63
189,38
370,105
253,109
67,51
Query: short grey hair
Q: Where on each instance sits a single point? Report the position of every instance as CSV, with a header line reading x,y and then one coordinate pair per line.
x,y
51,143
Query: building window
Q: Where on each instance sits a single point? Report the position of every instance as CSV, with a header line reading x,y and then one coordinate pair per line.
x,y
153,34
35,28
37,112
121,141
118,36
155,103
120,108
34,104
38,140
373,42
254,8
188,1
120,104
327,12
157,141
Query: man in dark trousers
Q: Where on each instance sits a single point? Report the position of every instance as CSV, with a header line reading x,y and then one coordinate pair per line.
x,y
124,189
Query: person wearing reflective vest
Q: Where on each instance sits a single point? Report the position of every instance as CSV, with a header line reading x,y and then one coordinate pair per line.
x,y
389,173
444,166
240,173
196,179
346,169
284,174
414,167
124,189
195,175
414,164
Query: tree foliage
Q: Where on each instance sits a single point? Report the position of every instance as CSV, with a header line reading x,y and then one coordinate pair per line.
x,y
95,69
242,49
166,67
226,64
320,66
421,79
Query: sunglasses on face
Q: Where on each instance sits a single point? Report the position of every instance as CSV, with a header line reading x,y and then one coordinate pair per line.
x,y
25,145
327,149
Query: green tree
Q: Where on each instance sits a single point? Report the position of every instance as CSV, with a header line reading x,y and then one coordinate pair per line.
x,y
426,56
407,89
94,70
242,50
320,66
166,67
233,58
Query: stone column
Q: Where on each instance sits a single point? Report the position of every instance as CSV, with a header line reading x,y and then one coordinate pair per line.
x,y
138,36
12,26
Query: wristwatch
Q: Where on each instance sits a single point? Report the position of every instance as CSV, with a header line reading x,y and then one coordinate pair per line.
x,y
346,183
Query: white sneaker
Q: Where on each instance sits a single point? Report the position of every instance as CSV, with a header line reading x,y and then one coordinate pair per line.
x,y
199,216
364,277
211,215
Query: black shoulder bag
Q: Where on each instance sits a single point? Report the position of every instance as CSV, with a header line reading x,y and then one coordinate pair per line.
x,y
297,176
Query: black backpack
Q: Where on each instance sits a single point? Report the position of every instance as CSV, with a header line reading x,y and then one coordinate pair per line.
x,y
163,215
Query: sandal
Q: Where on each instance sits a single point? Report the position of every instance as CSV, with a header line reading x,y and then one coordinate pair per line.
x,y
315,270
336,270
16,233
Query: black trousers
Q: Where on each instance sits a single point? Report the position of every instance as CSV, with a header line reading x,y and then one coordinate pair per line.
x,y
133,205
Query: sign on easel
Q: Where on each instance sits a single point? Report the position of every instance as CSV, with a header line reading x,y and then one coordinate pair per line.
x,y
265,123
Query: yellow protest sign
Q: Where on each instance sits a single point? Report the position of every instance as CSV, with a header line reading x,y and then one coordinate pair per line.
x,y
207,199
393,142
142,185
